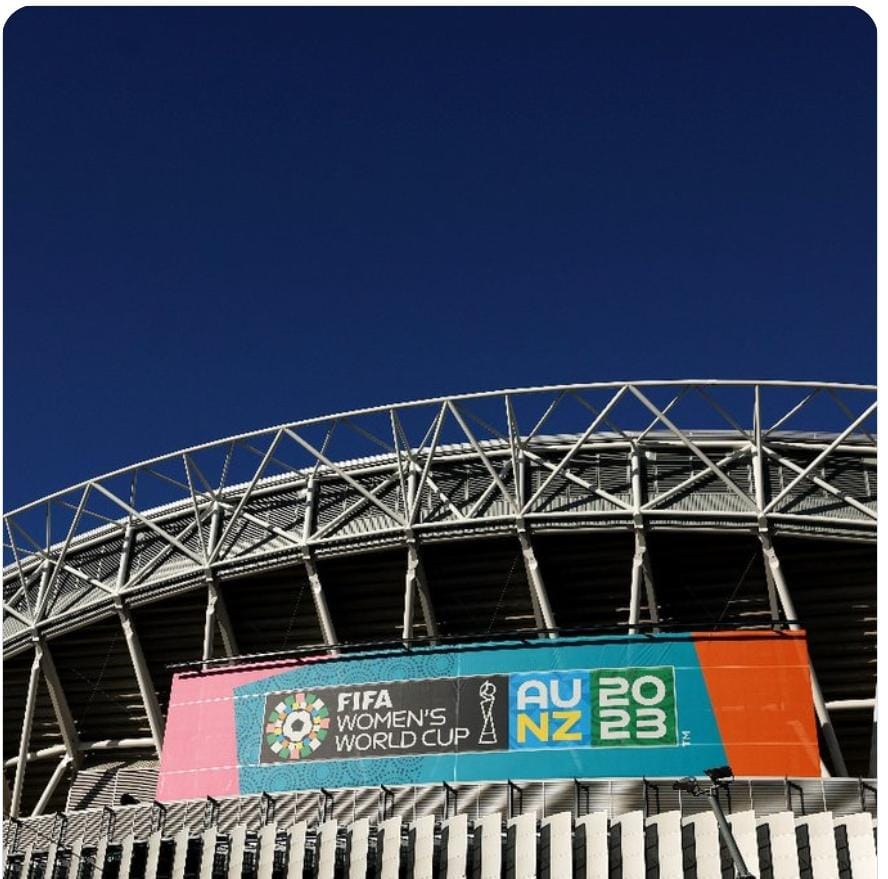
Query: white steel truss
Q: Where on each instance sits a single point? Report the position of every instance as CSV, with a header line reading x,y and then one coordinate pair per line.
x,y
743,455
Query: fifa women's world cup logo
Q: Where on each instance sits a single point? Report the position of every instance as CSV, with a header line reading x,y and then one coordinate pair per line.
x,y
487,692
296,727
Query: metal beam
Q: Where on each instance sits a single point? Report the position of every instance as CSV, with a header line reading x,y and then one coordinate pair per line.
x,y
813,465
535,580
223,620
245,497
27,726
60,704
692,446
323,459
761,495
641,563
325,620
51,786
85,747
126,555
826,727
572,451
416,584
320,600
217,615
143,676
850,704
209,634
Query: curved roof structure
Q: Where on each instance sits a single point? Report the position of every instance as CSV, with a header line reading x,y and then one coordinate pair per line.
x,y
541,510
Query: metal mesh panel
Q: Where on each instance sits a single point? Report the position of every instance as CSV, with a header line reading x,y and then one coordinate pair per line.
x,y
559,797
769,797
493,798
842,797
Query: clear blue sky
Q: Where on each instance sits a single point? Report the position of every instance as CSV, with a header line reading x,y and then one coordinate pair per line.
x,y
221,219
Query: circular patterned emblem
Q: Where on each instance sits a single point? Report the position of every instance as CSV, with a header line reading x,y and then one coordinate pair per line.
x,y
297,726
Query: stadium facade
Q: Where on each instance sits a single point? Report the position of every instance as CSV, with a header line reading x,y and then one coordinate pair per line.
x,y
478,635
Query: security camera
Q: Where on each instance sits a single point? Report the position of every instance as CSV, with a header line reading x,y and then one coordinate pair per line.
x,y
719,773
688,785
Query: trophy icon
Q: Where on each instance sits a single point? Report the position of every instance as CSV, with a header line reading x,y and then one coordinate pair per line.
x,y
487,692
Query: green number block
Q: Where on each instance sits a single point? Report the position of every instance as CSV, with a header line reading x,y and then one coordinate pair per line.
x,y
634,707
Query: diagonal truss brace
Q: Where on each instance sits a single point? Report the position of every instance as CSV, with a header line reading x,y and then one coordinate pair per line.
x,y
143,675
60,705
819,459
556,470
27,727
51,785
346,477
692,447
322,609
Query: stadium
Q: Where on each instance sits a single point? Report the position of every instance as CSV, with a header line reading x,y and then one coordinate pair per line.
x,y
474,636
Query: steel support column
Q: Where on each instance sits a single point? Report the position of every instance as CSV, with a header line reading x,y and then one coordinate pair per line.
x,y
874,741
27,726
543,610
416,584
209,633
51,786
320,601
217,615
829,734
311,569
60,705
761,498
641,563
143,676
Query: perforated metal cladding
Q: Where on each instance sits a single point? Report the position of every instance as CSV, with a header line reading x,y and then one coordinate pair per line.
x,y
153,558
834,591
586,576
12,626
271,612
171,632
852,475
434,504
104,777
96,673
605,471
36,779
704,580
481,591
45,732
94,788
366,596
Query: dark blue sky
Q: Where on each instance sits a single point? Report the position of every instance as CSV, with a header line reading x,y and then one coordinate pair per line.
x,y
221,219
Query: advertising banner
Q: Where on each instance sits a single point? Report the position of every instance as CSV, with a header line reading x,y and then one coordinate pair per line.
x,y
646,705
